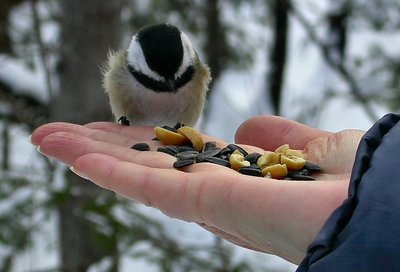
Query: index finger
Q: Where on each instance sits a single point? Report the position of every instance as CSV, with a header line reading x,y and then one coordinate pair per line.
x,y
173,192
138,132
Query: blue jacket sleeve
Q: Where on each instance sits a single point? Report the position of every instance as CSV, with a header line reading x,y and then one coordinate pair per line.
x,y
363,234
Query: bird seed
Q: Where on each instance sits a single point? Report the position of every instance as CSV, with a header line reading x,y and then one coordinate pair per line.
x,y
252,170
193,136
182,163
234,147
253,157
187,146
164,149
217,160
312,167
208,153
168,137
187,155
141,147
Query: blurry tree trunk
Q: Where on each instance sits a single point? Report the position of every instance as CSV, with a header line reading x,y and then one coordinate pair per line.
x,y
215,47
337,35
88,30
5,149
215,38
5,7
277,54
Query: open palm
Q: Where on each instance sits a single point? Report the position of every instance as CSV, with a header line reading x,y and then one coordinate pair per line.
x,y
273,216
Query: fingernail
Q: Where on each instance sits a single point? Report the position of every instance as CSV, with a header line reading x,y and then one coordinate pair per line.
x,y
78,173
30,139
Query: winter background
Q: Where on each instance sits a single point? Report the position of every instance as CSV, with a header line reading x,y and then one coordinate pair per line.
x,y
307,74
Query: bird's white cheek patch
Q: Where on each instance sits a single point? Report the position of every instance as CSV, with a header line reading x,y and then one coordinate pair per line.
x,y
137,60
188,55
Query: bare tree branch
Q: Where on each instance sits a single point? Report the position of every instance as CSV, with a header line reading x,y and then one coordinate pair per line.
x,y
42,49
337,66
5,40
215,49
25,108
277,55
5,164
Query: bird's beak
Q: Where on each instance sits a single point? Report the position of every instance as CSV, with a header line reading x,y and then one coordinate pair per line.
x,y
170,84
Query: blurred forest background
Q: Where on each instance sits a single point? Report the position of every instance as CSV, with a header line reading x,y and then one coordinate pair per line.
x,y
50,58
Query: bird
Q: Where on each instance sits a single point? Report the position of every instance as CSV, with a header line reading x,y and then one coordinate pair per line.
x,y
158,81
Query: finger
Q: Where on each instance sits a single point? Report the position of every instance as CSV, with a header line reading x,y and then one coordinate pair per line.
x,y
47,129
139,134
270,132
207,167
136,132
202,197
67,147
335,153
168,190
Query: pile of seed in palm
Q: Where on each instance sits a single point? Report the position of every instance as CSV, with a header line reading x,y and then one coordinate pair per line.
x,y
187,145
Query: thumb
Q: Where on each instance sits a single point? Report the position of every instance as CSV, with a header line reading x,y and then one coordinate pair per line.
x,y
335,153
270,132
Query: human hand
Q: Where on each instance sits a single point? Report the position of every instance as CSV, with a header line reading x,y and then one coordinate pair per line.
x,y
333,152
273,216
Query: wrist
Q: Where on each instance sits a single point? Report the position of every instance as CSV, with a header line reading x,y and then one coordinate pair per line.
x,y
297,213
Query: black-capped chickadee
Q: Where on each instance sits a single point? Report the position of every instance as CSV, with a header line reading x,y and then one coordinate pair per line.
x,y
159,80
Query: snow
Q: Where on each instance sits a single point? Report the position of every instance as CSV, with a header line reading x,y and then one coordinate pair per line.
x,y
16,73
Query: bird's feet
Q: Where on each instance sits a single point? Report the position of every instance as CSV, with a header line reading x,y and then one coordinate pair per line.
x,y
123,120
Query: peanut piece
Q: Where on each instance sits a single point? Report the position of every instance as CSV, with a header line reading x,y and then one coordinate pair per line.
x,y
276,171
193,136
267,159
236,159
282,148
293,163
168,137
293,152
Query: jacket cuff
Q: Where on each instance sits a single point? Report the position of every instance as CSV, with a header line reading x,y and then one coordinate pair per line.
x,y
363,234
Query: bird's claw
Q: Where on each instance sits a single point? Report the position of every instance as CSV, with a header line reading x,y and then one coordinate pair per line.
x,y
123,120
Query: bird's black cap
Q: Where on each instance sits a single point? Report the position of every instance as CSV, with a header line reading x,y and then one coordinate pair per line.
x,y
162,48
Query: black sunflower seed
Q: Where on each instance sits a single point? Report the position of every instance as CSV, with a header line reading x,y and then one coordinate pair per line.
x,y
141,147
209,145
209,153
172,148
166,150
299,177
183,163
187,155
234,147
184,148
251,171
312,167
290,174
170,128
304,172
218,161
252,157
178,125
225,157
225,152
